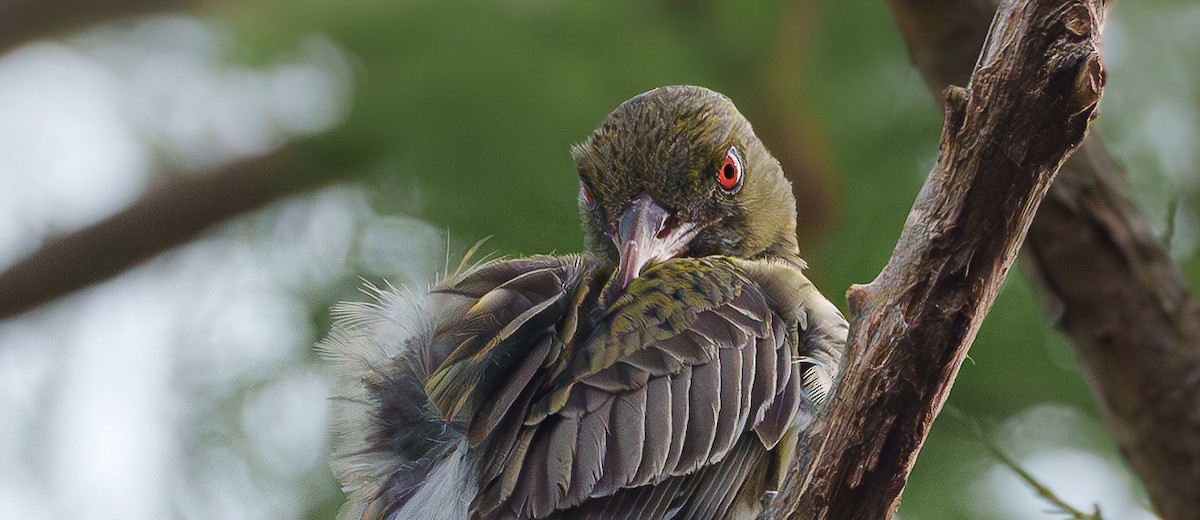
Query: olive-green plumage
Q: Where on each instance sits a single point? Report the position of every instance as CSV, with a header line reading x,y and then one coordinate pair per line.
x,y
669,143
664,373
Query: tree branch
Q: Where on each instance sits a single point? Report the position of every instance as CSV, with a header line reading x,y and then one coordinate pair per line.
x,y
1034,91
1134,327
169,215
1106,281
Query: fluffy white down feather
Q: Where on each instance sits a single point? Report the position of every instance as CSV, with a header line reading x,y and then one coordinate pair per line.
x,y
446,494
365,339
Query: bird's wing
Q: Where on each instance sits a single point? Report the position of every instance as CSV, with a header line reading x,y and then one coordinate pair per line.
x,y
823,328
697,355
414,368
733,488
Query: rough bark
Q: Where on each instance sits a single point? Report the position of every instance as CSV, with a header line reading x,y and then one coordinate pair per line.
x,y
1028,105
1106,281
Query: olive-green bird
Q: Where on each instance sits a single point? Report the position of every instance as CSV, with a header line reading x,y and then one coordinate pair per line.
x,y
663,373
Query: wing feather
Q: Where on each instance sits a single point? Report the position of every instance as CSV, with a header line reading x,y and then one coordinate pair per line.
x,y
646,410
729,411
704,398
592,442
626,435
658,431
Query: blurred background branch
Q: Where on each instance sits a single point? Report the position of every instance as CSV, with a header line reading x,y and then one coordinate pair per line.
x,y
174,211
1106,281
25,20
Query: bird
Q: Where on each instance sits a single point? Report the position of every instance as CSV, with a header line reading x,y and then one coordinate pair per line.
x,y
665,372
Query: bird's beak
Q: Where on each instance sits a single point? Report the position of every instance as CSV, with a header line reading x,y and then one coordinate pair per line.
x,y
647,233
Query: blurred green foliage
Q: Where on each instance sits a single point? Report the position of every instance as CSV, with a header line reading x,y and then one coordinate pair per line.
x,y
464,112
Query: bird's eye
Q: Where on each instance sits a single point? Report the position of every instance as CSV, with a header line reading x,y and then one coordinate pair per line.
x,y
729,177
587,196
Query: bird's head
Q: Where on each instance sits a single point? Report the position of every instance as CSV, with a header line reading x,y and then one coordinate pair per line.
x,y
677,171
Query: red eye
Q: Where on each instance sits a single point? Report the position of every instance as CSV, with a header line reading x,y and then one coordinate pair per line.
x,y
730,174
587,197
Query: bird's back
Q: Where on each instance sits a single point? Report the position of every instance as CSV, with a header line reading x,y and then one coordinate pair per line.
x,y
525,389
